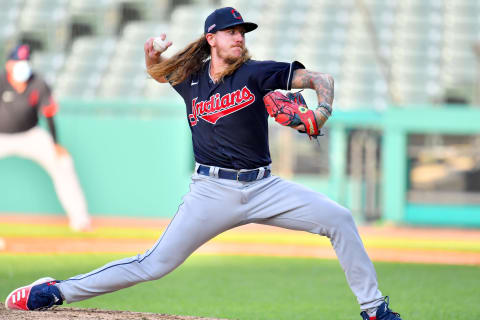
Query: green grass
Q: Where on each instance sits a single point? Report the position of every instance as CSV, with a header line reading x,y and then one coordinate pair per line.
x,y
253,288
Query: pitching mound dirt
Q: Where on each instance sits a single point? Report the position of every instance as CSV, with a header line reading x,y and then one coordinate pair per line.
x,y
81,314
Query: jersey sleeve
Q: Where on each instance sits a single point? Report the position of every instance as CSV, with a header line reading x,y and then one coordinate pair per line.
x,y
272,75
183,88
46,104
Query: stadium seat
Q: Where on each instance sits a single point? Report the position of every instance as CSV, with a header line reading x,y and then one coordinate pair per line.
x,y
155,90
46,22
85,66
336,37
48,64
101,16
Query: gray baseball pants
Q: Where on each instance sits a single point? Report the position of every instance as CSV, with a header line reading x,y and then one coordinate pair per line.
x,y
215,205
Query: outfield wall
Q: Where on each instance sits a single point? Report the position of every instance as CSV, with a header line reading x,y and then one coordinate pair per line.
x,y
134,159
131,159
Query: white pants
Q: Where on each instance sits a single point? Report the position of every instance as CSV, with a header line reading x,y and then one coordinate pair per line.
x,y
215,205
37,145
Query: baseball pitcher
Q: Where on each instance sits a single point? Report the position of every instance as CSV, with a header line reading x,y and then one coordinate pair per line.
x,y
228,99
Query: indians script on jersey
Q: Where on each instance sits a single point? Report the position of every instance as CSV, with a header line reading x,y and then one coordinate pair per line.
x,y
216,107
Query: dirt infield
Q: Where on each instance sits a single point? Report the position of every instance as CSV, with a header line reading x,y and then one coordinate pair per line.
x,y
87,314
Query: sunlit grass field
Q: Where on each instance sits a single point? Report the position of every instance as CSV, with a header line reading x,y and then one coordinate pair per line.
x,y
243,287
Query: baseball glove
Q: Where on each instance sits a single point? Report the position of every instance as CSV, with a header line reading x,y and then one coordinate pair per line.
x,y
291,110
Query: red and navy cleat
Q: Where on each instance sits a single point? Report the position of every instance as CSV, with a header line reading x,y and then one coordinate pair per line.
x,y
383,313
40,295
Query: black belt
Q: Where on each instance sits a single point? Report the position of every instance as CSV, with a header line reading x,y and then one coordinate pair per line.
x,y
243,175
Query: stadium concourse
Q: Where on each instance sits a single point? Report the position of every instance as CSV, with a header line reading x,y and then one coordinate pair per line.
x,y
126,235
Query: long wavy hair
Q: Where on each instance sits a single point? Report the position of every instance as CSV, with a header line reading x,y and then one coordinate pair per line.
x,y
190,60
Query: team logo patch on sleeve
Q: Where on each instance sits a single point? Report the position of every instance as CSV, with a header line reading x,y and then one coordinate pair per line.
x,y
217,107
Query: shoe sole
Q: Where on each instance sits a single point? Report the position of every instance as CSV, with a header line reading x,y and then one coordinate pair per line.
x,y
39,281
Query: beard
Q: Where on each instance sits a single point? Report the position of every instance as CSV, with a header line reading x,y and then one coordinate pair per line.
x,y
231,59
234,62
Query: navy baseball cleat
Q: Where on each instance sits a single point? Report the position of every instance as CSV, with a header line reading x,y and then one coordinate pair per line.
x,y
40,295
383,312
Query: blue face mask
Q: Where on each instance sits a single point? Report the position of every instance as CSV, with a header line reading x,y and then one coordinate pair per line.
x,y
21,71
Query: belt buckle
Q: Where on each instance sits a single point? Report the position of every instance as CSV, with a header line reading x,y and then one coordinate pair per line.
x,y
238,174
240,171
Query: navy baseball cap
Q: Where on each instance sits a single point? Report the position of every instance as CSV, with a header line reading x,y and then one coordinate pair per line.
x,y
224,18
20,52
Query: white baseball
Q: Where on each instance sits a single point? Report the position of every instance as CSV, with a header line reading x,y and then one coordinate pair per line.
x,y
159,44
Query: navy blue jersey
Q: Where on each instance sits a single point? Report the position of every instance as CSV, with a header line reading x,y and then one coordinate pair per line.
x,y
228,120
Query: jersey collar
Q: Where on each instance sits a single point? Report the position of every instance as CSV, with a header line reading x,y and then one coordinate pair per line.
x,y
208,71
